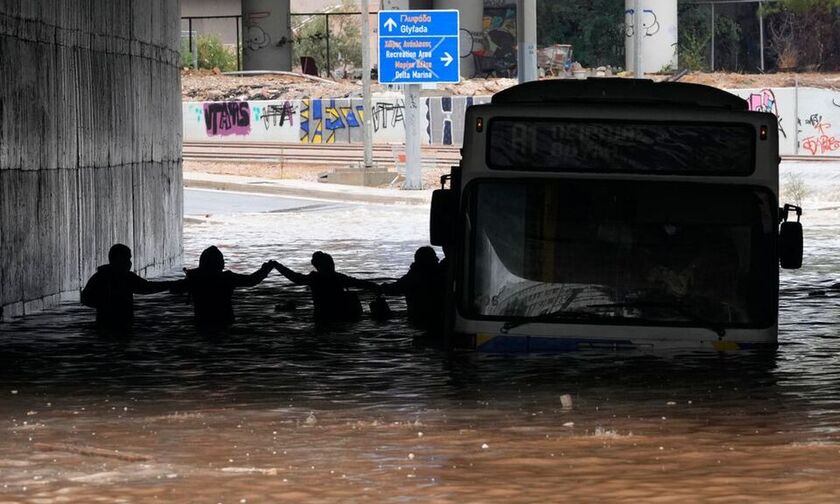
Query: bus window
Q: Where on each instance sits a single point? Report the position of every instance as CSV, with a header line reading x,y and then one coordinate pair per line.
x,y
653,253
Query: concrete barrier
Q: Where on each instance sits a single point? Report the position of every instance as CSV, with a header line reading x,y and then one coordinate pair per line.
x,y
806,119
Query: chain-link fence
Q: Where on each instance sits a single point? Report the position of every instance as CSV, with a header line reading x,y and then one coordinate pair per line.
x,y
211,42
328,44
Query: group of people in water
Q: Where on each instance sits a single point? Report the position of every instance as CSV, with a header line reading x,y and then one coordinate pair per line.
x,y
210,288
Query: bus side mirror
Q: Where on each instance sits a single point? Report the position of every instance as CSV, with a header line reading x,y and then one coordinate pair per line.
x,y
790,240
442,217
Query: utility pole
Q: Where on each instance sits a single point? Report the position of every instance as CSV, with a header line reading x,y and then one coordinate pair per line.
x,y
713,36
638,73
761,32
367,119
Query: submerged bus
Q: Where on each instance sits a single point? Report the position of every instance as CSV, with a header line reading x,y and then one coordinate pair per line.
x,y
611,213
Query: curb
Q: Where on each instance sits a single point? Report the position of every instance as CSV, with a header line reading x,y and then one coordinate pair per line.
x,y
262,187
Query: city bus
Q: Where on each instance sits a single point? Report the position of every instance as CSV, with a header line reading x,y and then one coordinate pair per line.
x,y
614,213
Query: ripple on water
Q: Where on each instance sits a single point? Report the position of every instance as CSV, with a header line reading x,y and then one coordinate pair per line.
x,y
225,417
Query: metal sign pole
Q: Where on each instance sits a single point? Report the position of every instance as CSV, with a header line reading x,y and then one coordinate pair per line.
x,y
367,124
638,73
417,47
413,154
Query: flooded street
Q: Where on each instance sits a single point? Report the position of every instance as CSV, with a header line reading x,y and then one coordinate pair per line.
x,y
279,410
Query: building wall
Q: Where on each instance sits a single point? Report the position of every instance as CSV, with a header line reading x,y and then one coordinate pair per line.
x,y
90,143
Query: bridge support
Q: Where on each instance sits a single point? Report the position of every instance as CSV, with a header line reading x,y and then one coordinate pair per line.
x,y
90,143
267,35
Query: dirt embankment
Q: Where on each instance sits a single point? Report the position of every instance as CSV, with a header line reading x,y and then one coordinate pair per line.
x,y
205,85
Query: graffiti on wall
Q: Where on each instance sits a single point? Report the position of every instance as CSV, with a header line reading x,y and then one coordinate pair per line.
x,y
326,121
227,118
275,115
499,25
340,120
388,115
445,118
256,37
650,24
821,141
765,101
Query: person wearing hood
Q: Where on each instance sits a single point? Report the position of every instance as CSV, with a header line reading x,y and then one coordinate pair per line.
x,y
211,287
422,287
333,302
112,288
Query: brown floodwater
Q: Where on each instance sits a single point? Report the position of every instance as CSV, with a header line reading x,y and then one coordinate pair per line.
x,y
280,410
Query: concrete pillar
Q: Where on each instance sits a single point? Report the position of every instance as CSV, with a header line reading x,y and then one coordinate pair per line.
x,y
471,17
526,40
659,34
90,143
267,35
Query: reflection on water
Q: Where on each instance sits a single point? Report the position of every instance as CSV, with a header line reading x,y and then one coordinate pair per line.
x,y
277,409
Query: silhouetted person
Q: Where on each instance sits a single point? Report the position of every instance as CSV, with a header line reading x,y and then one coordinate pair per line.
x,y
111,290
333,303
211,287
422,287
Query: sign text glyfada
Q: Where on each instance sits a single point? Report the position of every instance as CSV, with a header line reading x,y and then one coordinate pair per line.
x,y
418,46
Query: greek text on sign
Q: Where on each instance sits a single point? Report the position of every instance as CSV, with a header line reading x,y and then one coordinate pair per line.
x,y
418,47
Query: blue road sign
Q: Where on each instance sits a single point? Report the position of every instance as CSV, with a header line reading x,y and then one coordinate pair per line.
x,y
418,46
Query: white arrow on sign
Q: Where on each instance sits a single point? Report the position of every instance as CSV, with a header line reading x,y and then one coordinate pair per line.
x,y
390,24
447,59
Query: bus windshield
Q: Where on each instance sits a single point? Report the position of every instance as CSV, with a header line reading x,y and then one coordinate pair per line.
x,y
660,253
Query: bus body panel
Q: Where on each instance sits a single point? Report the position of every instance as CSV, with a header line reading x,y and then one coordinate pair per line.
x,y
496,335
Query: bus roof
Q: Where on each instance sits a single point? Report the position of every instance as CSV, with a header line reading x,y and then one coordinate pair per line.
x,y
619,91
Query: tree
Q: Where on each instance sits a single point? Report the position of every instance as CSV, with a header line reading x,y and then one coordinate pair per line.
x,y
310,37
211,53
595,28
805,33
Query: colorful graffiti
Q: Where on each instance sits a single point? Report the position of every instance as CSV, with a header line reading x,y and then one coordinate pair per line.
x,y
821,142
321,121
227,118
765,101
339,120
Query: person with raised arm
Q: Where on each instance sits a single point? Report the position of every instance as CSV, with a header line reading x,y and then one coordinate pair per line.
x,y
333,302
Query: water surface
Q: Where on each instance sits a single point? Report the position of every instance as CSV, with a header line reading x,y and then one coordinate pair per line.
x,y
278,409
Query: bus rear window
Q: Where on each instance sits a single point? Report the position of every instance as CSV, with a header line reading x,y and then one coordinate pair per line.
x,y
599,146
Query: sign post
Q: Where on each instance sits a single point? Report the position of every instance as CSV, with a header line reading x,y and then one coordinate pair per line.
x,y
417,47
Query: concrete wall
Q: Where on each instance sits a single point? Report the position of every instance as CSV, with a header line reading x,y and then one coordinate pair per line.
x,y
809,118
90,143
323,120
816,113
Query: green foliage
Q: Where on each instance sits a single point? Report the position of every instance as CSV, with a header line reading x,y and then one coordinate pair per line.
x,y
310,38
594,28
804,34
800,6
211,53
695,38
693,47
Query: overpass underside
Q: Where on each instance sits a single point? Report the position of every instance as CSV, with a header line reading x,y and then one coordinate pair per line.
x,y
90,143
